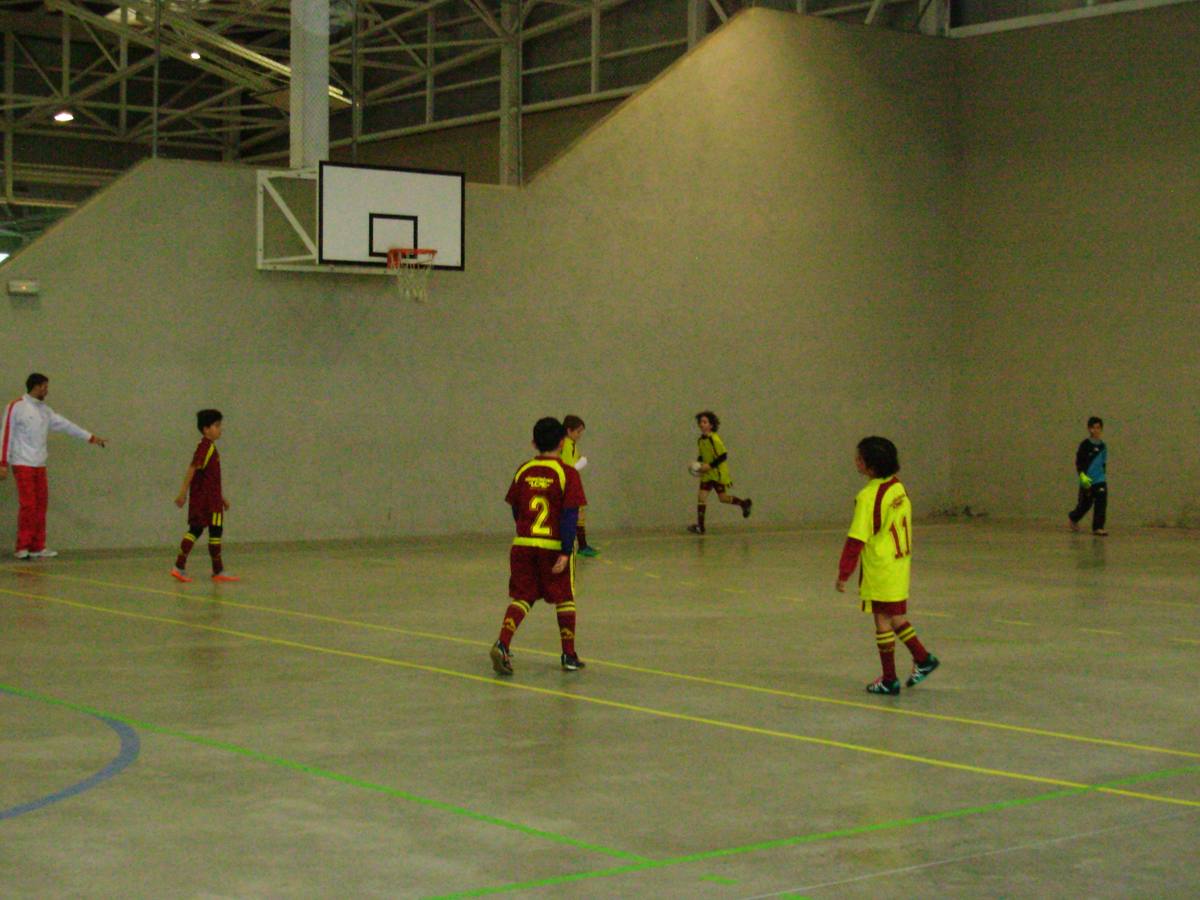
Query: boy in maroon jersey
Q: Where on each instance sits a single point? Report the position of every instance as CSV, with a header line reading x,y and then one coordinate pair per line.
x,y
546,496
206,504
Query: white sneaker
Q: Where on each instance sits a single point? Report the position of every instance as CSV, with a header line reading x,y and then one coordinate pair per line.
x,y
44,554
22,554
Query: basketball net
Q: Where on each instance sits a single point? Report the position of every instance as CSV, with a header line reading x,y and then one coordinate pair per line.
x,y
412,267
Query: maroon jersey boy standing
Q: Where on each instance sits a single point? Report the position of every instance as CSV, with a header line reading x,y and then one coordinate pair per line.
x,y
546,496
206,503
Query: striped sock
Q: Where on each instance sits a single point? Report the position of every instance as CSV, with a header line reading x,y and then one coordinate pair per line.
x,y
517,610
908,634
214,551
566,625
886,642
185,547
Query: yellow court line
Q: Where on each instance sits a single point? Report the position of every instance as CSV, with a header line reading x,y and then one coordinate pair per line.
x,y
1185,640
1017,622
614,704
1107,631
628,667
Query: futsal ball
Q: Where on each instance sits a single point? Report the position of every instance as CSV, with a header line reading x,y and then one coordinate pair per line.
x,y
694,467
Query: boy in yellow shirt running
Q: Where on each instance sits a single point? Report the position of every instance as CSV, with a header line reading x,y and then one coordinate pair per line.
x,y
714,470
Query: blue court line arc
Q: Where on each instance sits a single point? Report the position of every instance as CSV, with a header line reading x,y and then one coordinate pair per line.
x,y
131,745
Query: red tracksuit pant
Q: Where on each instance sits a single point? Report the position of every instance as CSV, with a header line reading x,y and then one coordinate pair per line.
x,y
33,496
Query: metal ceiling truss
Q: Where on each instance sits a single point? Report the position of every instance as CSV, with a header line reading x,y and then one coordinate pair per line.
x,y
228,101
397,67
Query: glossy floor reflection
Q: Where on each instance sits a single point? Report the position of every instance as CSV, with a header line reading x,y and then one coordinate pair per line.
x,y
331,726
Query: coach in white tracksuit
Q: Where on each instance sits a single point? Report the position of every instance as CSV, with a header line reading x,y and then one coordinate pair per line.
x,y
27,424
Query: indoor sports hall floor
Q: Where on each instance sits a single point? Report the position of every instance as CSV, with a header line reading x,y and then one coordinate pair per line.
x,y
331,726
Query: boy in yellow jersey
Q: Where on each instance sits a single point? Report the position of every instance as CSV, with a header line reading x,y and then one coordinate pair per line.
x,y
570,455
714,470
881,532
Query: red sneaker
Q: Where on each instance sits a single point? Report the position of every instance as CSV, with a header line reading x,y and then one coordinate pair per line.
x,y
223,576
180,575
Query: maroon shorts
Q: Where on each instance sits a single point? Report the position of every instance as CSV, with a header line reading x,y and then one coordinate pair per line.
x,y
886,607
530,578
714,486
205,518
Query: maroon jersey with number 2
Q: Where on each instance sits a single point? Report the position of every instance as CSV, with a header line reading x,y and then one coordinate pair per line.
x,y
541,489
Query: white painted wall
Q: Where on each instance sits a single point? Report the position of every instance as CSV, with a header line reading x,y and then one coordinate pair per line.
x,y
819,231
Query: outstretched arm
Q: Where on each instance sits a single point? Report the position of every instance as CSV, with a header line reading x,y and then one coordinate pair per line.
x,y
65,425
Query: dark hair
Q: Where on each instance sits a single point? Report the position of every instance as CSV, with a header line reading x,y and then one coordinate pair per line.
x,y
34,380
570,423
880,456
711,416
207,417
548,433
1095,420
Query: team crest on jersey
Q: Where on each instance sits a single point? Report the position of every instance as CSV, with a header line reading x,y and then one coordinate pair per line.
x,y
538,482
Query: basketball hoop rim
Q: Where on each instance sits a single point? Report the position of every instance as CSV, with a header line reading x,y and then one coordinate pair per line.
x,y
399,258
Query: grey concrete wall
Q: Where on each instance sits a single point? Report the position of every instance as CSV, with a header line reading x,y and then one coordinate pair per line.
x,y
763,231
1079,187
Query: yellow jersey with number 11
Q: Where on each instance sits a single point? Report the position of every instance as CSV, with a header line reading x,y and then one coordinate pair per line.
x,y
883,522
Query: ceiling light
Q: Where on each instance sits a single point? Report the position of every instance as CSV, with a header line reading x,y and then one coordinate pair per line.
x,y
64,116
195,54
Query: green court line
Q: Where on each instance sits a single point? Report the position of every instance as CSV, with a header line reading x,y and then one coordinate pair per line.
x,y
819,836
317,771
509,684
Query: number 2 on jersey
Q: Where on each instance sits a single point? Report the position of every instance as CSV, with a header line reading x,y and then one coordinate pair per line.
x,y
541,506
906,550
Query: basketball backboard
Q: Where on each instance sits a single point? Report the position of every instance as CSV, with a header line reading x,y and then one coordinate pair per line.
x,y
363,211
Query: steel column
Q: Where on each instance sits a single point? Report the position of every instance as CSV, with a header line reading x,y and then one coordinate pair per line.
x,y
309,90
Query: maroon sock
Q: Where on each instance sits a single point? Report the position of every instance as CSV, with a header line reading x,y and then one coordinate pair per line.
x,y
517,609
185,547
700,510
214,551
908,634
566,626
886,642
